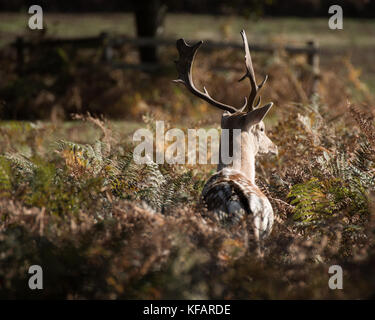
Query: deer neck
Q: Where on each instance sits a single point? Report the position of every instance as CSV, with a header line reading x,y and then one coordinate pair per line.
x,y
246,165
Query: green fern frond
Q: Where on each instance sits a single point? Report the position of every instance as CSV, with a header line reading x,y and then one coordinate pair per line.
x,y
5,178
22,164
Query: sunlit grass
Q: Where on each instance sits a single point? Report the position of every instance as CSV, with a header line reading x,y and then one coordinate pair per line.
x,y
299,30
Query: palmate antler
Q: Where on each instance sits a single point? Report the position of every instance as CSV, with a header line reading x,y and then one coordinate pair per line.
x,y
184,67
255,89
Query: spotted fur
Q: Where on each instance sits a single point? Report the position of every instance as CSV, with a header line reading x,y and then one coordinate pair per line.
x,y
232,196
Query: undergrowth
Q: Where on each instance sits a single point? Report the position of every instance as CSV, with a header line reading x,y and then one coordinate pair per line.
x,y
103,226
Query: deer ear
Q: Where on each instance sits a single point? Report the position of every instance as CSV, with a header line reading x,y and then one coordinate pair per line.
x,y
257,115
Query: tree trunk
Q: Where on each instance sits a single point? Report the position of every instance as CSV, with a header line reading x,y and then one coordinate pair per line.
x,y
149,18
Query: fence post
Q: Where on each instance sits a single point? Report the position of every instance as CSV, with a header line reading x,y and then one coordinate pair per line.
x,y
313,61
107,48
20,47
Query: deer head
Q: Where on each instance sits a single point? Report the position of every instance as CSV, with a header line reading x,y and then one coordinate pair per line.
x,y
248,118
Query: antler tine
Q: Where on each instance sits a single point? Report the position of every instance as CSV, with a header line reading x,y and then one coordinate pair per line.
x,y
184,67
255,89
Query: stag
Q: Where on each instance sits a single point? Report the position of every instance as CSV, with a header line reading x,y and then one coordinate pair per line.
x,y
231,193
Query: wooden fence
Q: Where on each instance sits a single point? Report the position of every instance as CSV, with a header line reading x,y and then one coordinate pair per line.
x,y
109,44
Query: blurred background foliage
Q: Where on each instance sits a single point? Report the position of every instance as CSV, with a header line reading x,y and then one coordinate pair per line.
x,y
56,81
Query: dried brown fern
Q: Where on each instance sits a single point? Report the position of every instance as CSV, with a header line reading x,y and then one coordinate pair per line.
x,y
365,122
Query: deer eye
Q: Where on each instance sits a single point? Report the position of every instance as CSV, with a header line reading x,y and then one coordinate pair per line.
x,y
262,129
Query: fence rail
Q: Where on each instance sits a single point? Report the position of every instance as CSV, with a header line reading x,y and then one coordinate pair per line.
x,y
111,43
310,48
